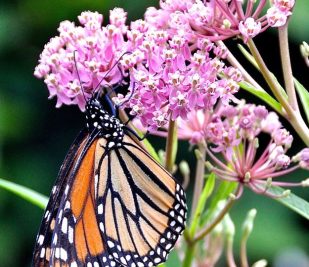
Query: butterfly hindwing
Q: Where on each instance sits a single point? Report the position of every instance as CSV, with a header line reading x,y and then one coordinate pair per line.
x,y
140,207
43,240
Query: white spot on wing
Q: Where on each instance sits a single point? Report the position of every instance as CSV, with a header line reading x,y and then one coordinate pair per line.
x,y
41,239
71,234
110,244
100,209
64,225
42,254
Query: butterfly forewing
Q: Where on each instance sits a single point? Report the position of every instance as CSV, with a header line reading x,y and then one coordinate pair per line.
x,y
43,241
73,238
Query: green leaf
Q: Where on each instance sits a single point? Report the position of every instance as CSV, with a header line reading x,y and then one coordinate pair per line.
x,y
291,201
207,190
263,95
248,56
26,193
304,96
252,60
223,191
151,150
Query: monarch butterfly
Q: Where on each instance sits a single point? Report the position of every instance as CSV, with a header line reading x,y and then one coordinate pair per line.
x,y
112,203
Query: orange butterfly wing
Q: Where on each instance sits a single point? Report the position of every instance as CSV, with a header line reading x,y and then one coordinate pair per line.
x,y
69,235
110,207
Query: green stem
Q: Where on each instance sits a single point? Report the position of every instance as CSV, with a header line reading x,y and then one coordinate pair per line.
x,y
199,177
217,220
292,116
188,256
170,146
286,66
190,234
236,64
25,193
196,218
199,209
197,212
272,83
229,254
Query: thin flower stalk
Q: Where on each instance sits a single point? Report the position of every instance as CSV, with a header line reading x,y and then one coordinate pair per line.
x,y
171,146
199,176
286,66
294,117
217,220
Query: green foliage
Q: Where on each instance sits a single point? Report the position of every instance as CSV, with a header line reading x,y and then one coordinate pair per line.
x,y
293,202
263,95
26,193
304,97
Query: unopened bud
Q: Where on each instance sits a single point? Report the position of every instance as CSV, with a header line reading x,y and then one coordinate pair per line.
x,y
305,183
260,263
184,168
209,166
304,49
248,223
229,227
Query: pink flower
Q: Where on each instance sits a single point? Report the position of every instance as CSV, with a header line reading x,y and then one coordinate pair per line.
x,y
219,19
303,158
194,127
168,78
172,79
96,50
235,132
249,28
271,123
179,105
284,5
276,17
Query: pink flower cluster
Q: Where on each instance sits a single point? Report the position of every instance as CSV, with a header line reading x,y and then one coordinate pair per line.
x,y
235,132
96,50
219,19
169,79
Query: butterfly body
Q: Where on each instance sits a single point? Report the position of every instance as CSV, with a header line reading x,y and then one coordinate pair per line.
x,y
107,125
112,204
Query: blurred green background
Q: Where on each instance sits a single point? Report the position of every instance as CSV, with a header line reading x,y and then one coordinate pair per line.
x,y
34,136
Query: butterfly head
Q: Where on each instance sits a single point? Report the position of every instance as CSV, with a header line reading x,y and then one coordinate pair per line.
x,y
98,119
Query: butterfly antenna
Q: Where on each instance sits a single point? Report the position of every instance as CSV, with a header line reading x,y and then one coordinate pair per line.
x,y
115,64
80,82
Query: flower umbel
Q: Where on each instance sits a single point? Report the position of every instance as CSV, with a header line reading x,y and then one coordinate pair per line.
x,y
220,19
235,133
96,50
170,79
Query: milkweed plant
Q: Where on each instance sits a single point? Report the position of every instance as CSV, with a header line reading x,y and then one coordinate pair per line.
x,y
182,83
